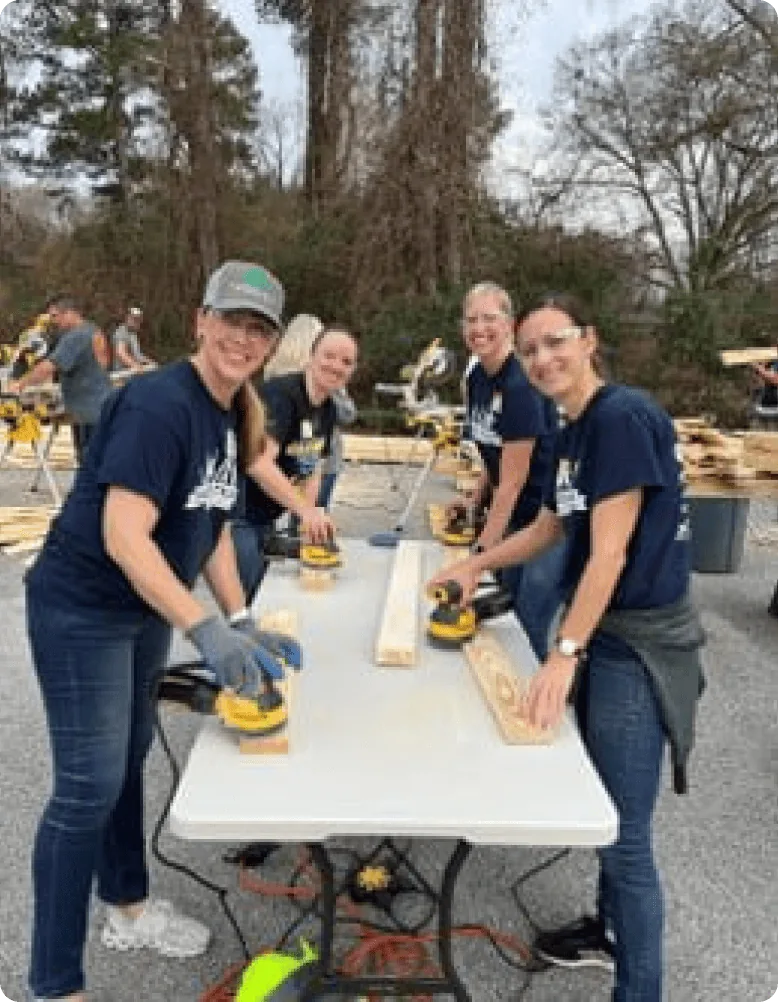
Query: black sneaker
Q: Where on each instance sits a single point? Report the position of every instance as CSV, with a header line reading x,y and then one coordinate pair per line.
x,y
583,943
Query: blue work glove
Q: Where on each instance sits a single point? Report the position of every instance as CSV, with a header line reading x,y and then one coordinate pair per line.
x,y
279,645
234,658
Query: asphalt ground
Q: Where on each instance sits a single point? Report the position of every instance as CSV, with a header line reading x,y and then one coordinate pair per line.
x,y
717,847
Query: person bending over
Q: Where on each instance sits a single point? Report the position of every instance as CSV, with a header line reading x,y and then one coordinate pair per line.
x,y
287,476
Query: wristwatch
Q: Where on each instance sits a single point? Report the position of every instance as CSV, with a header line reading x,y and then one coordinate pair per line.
x,y
569,648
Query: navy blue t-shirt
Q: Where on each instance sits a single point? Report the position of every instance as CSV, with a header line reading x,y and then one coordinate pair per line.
x,y
303,432
621,442
506,408
165,437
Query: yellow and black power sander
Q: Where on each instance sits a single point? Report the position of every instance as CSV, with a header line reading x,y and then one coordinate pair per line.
x,y
318,556
451,624
464,525
191,685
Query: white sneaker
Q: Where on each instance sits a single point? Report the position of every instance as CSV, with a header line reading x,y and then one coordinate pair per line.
x,y
159,927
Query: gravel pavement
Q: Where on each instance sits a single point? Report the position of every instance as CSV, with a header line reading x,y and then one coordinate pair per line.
x,y
717,847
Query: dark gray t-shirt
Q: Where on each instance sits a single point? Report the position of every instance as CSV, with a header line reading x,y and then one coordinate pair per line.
x,y
85,385
123,335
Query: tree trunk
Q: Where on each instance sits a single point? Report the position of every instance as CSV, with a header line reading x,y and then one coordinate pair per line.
x,y
200,132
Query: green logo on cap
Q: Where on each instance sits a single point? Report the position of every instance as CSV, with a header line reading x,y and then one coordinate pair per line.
x,y
258,279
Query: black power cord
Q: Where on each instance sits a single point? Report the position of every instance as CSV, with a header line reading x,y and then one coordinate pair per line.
x,y
175,771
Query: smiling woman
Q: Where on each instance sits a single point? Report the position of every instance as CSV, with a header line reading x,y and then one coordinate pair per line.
x,y
302,416
149,511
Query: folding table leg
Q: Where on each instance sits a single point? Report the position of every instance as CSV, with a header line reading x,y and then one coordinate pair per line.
x,y
329,982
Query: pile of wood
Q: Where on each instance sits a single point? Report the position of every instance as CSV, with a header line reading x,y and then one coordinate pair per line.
x,y
22,530
709,453
742,460
760,451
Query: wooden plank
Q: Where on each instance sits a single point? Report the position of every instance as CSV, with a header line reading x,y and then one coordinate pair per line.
x,y
23,546
316,578
386,449
280,621
503,690
436,514
747,356
397,641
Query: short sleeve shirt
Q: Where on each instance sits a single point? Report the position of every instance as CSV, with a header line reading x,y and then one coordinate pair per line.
x,y
85,384
621,442
166,438
504,408
123,335
303,432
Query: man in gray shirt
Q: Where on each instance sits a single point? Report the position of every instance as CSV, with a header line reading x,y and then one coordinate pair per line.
x,y
79,358
127,354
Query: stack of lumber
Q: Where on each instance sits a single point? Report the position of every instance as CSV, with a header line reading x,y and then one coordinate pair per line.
x,y
61,454
22,529
709,453
760,450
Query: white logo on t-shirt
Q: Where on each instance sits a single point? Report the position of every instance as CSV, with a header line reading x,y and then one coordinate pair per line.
x,y
219,486
482,422
568,497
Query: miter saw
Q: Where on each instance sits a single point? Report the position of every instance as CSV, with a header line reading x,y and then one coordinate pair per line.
x,y
442,422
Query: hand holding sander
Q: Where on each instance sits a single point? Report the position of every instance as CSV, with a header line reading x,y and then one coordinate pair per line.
x,y
317,556
451,624
235,680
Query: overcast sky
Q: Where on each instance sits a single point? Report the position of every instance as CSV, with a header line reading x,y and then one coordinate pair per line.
x,y
524,53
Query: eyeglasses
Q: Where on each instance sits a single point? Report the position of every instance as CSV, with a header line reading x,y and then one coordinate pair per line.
x,y
552,342
250,324
471,319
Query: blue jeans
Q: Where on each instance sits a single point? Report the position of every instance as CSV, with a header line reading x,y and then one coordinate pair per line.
x,y
325,489
536,594
82,436
620,723
249,541
95,670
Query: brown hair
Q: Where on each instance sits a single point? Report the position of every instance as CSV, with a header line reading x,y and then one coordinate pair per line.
x,y
566,303
251,425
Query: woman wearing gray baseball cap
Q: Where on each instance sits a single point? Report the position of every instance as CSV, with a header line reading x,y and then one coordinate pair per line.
x,y
149,512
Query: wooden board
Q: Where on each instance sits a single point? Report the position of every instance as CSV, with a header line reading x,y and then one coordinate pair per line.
x,y
316,578
388,449
747,356
397,642
436,513
503,690
280,621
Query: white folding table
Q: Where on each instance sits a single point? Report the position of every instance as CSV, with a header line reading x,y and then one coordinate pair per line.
x,y
388,752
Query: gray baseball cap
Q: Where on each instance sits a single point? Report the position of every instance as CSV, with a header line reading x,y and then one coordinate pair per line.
x,y
239,285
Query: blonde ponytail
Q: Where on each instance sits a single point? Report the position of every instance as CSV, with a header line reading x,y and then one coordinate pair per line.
x,y
251,426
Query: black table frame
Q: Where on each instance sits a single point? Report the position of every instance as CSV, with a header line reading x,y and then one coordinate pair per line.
x,y
328,981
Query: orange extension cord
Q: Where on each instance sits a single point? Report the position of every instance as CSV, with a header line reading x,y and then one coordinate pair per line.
x,y
399,955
